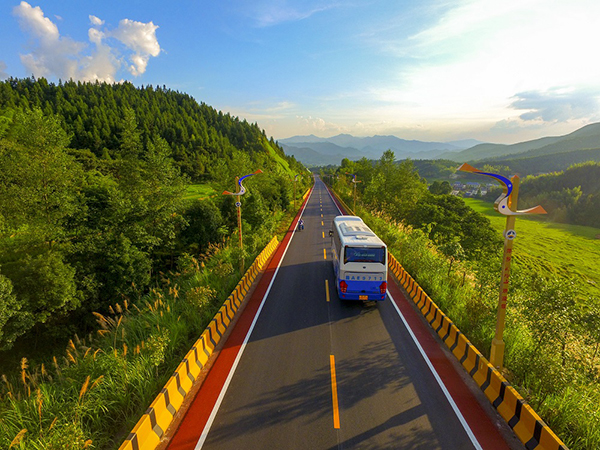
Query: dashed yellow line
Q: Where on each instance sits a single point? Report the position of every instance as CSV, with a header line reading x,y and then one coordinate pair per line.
x,y
323,235
324,254
336,410
322,223
327,289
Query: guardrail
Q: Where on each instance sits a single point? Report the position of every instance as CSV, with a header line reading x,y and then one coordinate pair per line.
x,y
523,420
153,424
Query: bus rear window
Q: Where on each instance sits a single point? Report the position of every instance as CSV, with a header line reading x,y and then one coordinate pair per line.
x,y
364,254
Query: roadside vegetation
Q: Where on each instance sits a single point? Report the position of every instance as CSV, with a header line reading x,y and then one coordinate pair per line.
x,y
110,263
553,320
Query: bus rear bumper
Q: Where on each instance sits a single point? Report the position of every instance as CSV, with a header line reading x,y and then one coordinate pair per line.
x,y
362,296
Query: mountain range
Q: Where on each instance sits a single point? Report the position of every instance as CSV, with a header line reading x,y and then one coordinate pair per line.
x,y
313,151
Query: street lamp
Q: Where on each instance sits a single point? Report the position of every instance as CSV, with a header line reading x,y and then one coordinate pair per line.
x,y
506,204
238,205
295,179
354,181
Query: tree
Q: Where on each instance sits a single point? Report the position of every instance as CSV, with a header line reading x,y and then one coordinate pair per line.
x,y
394,188
40,181
9,308
442,188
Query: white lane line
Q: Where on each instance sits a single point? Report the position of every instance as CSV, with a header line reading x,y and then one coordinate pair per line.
x,y
215,409
438,379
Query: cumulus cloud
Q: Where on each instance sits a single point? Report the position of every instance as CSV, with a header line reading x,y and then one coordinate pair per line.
x,y
141,39
557,105
130,45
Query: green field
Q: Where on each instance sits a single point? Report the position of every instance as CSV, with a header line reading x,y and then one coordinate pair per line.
x,y
199,191
568,251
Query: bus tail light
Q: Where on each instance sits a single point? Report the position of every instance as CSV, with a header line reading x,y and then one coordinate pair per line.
x,y
343,286
383,287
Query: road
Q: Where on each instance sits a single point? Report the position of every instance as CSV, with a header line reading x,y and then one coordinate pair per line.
x,y
319,373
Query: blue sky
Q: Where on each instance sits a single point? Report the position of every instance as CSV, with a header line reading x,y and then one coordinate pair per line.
x,y
435,70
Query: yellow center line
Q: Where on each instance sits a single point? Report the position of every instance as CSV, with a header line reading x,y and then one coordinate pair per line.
x,y
336,410
324,254
327,289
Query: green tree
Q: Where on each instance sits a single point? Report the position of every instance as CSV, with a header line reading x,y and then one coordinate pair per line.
x,y
9,308
39,181
440,188
45,287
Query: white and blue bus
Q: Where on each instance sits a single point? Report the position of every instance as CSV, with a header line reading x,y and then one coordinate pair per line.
x,y
359,260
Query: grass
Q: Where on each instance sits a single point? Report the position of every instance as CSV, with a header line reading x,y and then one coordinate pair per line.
x,y
566,251
199,191
282,162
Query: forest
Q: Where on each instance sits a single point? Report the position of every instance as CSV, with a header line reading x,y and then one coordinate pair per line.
x,y
570,194
92,182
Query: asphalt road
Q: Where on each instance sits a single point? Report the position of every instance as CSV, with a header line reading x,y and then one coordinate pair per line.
x,y
320,373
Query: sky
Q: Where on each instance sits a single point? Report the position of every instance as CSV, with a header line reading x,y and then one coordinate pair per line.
x,y
432,70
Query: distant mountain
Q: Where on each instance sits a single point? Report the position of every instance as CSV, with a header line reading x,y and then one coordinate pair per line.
x,y
332,150
585,138
555,162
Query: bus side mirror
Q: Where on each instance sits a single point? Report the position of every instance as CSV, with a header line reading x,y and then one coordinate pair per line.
x,y
330,233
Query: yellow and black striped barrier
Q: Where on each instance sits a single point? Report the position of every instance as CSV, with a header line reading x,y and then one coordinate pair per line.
x,y
153,424
525,422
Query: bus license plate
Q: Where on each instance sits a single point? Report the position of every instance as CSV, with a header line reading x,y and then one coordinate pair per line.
x,y
363,297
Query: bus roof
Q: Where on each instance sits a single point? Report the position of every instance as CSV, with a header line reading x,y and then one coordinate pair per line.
x,y
353,231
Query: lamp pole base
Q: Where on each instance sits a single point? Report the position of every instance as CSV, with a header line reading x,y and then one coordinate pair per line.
x,y
497,353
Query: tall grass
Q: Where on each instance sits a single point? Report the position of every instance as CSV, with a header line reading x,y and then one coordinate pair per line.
x,y
105,381
93,395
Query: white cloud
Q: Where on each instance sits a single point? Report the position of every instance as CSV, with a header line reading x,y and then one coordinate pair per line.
x,y
96,21
33,20
274,12
141,38
55,55
557,105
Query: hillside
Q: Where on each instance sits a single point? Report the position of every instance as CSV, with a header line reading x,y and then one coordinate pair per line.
x,y
556,162
93,181
585,138
199,136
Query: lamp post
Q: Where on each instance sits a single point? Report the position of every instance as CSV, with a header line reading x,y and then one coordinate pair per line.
x,y
506,204
354,181
238,205
295,179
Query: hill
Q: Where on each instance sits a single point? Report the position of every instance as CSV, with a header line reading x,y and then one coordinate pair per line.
x,y
93,179
584,138
556,162
200,137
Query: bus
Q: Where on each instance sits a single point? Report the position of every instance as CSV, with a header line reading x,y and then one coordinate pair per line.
x,y
359,260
